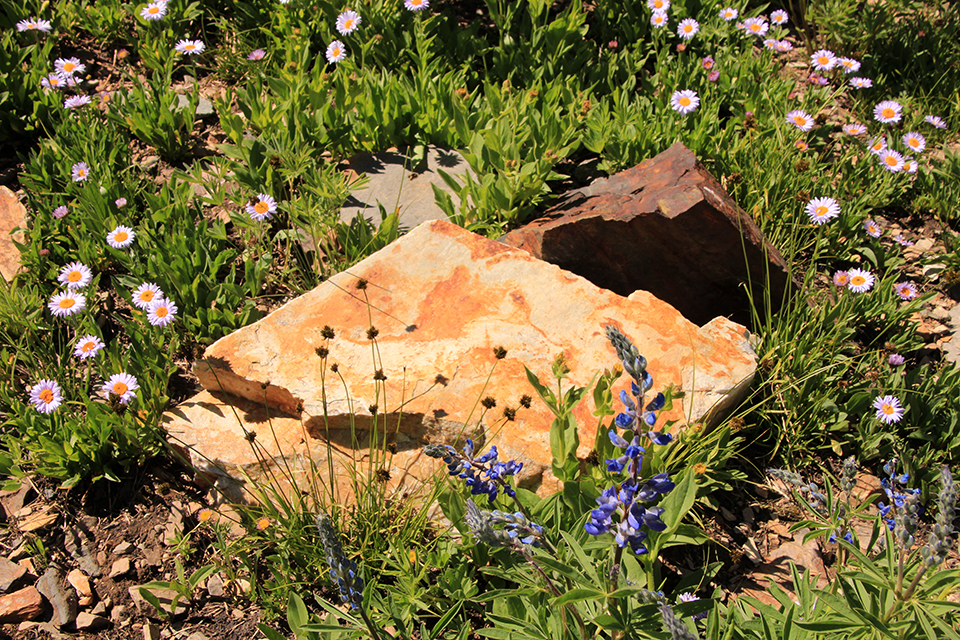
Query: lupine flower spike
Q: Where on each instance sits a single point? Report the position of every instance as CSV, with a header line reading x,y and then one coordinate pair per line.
x,y
623,501
492,476
342,570
499,529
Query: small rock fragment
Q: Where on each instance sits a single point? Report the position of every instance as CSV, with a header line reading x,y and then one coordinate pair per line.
x,y
123,549
121,566
81,584
89,622
25,604
751,551
215,586
38,519
151,631
12,575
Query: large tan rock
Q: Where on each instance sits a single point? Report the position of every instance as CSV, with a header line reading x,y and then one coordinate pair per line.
x,y
12,215
441,299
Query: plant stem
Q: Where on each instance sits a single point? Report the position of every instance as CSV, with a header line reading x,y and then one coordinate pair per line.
x,y
553,588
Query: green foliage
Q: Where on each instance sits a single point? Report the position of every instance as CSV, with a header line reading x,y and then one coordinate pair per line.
x,y
538,98
155,115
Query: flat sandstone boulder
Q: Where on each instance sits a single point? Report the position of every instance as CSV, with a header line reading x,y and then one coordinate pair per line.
x,y
441,299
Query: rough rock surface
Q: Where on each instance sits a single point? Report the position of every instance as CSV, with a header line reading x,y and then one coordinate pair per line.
x,y
25,604
441,300
12,215
397,185
665,226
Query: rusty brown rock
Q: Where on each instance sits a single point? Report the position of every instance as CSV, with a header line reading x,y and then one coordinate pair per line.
x,y
12,575
441,299
25,604
665,226
12,215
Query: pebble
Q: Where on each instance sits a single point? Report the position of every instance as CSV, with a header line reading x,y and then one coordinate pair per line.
x,y
151,631
120,567
81,584
123,549
89,622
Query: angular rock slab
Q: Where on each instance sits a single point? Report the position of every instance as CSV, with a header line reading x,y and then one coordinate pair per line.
x,y
397,185
665,226
441,299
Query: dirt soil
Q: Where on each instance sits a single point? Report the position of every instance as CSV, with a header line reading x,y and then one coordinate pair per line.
x,y
128,534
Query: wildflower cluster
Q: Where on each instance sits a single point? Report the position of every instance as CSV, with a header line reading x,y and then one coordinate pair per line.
x,y
342,570
492,476
500,529
624,500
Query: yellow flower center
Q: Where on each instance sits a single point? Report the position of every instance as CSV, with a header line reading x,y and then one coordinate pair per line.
x,y
821,211
160,312
913,142
88,346
688,28
684,101
890,160
82,173
66,303
74,276
146,296
205,514
888,113
887,409
657,4
190,47
69,66
755,27
263,523
121,236
153,10
800,121
46,395
858,280
261,207
120,388
842,280
348,24
823,60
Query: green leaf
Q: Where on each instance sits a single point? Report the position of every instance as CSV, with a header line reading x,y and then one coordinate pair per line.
x,y
444,620
545,394
297,614
578,595
270,633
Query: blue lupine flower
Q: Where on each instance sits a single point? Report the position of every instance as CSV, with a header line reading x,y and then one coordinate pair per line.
x,y
492,472
848,536
625,500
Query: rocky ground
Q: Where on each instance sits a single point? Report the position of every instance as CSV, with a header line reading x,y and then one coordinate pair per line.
x,y
72,562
